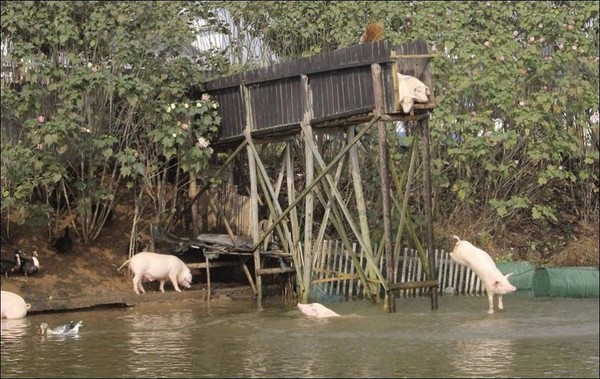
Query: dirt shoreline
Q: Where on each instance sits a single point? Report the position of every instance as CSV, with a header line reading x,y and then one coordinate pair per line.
x,y
198,293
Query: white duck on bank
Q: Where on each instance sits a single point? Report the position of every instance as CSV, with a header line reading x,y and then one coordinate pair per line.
x,y
70,328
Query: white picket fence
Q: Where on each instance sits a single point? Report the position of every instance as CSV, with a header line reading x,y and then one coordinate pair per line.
x,y
334,274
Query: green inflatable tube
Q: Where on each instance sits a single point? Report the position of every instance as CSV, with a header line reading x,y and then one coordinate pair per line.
x,y
565,282
522,276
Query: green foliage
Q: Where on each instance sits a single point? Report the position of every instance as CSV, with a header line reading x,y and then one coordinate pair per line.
x,y
96,80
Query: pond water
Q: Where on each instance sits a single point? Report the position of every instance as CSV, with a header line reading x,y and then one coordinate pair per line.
x,y
532,337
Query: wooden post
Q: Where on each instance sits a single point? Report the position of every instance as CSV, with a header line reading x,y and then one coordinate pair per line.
x,y
358,191
291,193
248,276
207,279
309,199
428,204
385,182
253,192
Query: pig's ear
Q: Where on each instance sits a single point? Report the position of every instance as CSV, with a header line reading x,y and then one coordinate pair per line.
x,y
507,275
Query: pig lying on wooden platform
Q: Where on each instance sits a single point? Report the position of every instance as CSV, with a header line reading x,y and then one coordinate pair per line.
x,y
153,266
464,253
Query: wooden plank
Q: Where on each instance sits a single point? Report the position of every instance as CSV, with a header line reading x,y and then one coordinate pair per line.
x,y
207,279
442,277
340,254
291,193
353,284
362,265
320,94
211,265
404,273
341,278
275,270
248,276
361,207
413,285
323,260
346,269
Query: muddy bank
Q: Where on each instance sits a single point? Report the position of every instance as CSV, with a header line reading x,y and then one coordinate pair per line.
x,y
43,304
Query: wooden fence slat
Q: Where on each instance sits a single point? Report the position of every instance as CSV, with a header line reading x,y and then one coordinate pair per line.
x,y
346,283
404,268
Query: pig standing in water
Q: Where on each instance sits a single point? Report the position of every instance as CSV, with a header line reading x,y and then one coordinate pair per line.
x,y
464,253
13,305
153,266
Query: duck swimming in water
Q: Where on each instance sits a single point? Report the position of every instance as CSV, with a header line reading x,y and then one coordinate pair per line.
x,y
68,329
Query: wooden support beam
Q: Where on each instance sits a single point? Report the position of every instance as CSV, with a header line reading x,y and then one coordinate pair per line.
x,y
424,128
327,205
269,192
332,189
291,193
248,276
405,181
413,285
272,202
384,180
275,270
337,278
210,264
253,190
336,220
309,175
358,189
207,279
306,190
339,226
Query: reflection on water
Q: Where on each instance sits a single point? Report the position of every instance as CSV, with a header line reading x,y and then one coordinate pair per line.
x,y
533,337
14,329
486,357
155,337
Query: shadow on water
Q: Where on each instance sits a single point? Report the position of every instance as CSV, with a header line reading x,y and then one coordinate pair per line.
x,y
533,337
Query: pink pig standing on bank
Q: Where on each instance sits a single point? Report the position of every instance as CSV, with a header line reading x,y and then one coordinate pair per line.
x,y
13,305
464,253
163,267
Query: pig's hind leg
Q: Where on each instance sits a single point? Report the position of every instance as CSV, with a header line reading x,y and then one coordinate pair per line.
x,y
162,285
137,284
